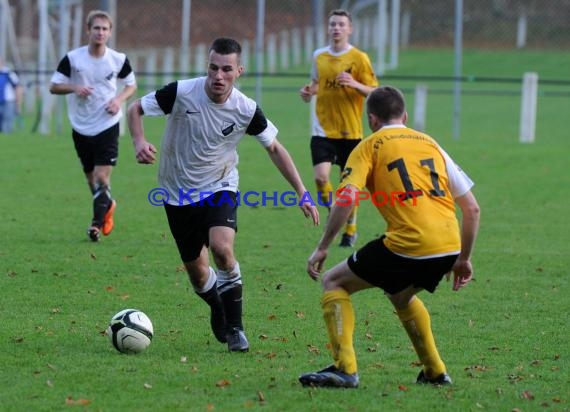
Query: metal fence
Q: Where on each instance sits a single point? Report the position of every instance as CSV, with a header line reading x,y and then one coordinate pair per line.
x,y
166,39
160,28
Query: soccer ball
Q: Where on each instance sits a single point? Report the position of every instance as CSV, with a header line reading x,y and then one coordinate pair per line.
x,y
130,331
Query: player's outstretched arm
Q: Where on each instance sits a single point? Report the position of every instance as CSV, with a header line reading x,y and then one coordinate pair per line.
x,y
283,161
144,151
337,218
462,269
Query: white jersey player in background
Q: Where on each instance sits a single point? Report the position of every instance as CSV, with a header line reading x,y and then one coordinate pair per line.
x,y
207,118
88,76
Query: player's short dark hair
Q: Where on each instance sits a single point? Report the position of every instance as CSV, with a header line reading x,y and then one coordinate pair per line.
x,y
341,12
386,103
98,14
225,45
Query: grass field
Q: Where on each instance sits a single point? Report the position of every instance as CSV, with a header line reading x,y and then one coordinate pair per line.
x,y
504,338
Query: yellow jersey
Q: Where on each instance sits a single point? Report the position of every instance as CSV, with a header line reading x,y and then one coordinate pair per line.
x,y
338,109
413,183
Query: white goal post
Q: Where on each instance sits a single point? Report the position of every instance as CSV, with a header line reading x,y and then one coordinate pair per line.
x,y
528,107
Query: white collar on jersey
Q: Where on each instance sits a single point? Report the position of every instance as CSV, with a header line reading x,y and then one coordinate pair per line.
x,y
394,126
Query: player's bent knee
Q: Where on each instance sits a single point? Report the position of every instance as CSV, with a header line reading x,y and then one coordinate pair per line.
x,y
223,255
330,282
321,181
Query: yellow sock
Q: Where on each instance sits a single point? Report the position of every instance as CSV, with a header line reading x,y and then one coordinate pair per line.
x,y
339,318
416,321
351,222
325,194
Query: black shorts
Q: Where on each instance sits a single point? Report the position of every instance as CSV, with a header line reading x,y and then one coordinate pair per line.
x,y
98,150
190,224
377,265
335,151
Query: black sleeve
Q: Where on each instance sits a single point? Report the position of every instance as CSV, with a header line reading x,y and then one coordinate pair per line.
x,y
125,70
258,123
64,67
166,96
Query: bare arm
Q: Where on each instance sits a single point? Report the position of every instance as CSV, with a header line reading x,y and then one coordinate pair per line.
x,y
114,105
337,218
308,90
462,269
346,79
144,151
67,88
283,161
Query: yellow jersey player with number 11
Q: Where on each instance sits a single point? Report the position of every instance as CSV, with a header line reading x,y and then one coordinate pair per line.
x,y
422,243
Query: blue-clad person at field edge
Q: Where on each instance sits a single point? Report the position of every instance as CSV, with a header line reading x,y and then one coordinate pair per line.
x,y
89,76
207,118
415,186
11,96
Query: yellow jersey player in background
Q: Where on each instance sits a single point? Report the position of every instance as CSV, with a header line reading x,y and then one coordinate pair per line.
x,y
342,76
414,185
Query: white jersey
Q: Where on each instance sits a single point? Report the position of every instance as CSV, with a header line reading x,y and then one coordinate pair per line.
x,y
87,115
198,152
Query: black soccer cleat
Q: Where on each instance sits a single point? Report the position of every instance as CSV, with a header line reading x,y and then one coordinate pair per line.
x,y
330,377
94,233
442,379
237,342
348,240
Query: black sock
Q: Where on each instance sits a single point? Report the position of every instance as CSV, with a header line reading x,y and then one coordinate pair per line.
x,y
101,203
232,300
212,298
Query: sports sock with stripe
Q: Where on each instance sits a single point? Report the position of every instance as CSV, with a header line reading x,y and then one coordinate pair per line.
x,y
417,322
338,314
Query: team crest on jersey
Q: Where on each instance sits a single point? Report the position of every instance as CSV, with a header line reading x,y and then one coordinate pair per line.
x,y
227,128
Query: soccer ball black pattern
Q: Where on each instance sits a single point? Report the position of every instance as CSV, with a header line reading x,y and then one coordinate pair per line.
x,y
130,331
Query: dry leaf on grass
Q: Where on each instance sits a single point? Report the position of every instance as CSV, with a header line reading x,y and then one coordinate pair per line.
x,y
313,349
223,382
70,401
